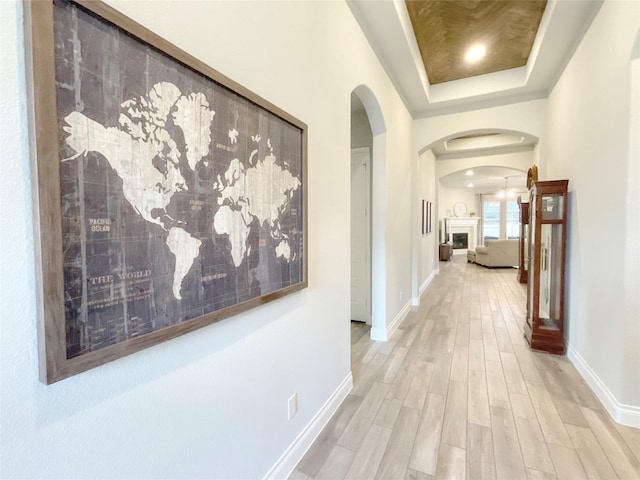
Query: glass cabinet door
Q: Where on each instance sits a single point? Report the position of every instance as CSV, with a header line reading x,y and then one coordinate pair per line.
x,y
552,207
550,274
525,230
523,266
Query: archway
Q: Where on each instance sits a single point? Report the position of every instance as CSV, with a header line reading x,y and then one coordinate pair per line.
x,y
491,157
363,100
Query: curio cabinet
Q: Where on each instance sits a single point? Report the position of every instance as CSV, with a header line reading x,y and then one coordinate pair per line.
x,y
547,243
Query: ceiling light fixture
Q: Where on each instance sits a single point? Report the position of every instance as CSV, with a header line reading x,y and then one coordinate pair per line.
x,y
475,53
505,192
469,172
470,185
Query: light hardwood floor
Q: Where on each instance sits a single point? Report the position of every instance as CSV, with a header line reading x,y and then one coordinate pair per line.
x,y
456,393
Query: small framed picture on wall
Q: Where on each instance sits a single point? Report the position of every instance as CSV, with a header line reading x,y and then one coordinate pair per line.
x,y
425,210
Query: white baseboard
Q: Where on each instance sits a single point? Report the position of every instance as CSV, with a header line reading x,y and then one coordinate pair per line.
x,y
427,282
383,334
292,456
624,414
417,300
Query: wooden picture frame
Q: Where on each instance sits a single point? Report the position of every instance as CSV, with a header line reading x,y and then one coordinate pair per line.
x,y
423,217
429,217
168,196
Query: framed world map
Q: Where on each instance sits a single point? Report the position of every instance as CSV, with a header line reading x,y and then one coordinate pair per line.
x,y
169,197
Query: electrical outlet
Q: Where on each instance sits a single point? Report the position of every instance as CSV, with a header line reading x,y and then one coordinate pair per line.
x,y
293,405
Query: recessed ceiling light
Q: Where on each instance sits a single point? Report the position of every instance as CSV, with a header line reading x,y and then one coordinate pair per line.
x,y
470,185
475,53
469,172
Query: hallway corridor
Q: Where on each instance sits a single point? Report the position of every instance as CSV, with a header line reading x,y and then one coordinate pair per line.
x,y
456,393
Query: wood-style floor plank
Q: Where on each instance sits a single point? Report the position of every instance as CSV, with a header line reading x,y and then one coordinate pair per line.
x,y
618,453
534,449
298,475
480,457
424,457
476,354
507,453
451,463
567,463
416,475
456,393
631,437
478,399
395,460
512,373
362,419
369,456
388,412
593,458
337,464
498,394
419,386
460,363
314,458
440,376
552,426
454,427
538,475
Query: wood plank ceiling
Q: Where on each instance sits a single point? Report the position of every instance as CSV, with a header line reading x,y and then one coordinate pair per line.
x,y
446,29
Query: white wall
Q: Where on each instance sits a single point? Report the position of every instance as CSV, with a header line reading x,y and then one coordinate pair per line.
x,y
450,196
427,244
592,143
211,404
399,214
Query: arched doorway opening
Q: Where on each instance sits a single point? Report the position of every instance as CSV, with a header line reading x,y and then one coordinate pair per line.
x,y
368,212
475,164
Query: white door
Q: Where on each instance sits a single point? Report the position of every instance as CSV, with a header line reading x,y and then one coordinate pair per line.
x,y
361,235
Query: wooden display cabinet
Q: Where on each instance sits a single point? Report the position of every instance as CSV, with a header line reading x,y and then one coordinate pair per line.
x,y
523,265
547,245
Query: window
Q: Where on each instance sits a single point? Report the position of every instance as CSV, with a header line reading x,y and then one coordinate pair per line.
x,y
500,218
513,219
490,220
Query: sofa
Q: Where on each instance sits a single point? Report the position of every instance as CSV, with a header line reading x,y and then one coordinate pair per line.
x,y
498,253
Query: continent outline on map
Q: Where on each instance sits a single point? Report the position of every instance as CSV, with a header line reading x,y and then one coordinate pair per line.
x,y
260,191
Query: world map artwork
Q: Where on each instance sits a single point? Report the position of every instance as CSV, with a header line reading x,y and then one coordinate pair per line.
x,y
179,197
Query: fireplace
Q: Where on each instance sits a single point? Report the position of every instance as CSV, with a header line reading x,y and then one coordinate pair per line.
x,y
462,233
460,240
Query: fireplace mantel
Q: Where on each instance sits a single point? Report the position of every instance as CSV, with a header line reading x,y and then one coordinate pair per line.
x,y
463,221
467,225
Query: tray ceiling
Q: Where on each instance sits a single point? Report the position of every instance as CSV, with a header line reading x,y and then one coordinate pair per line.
x,y
528,44
445,30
